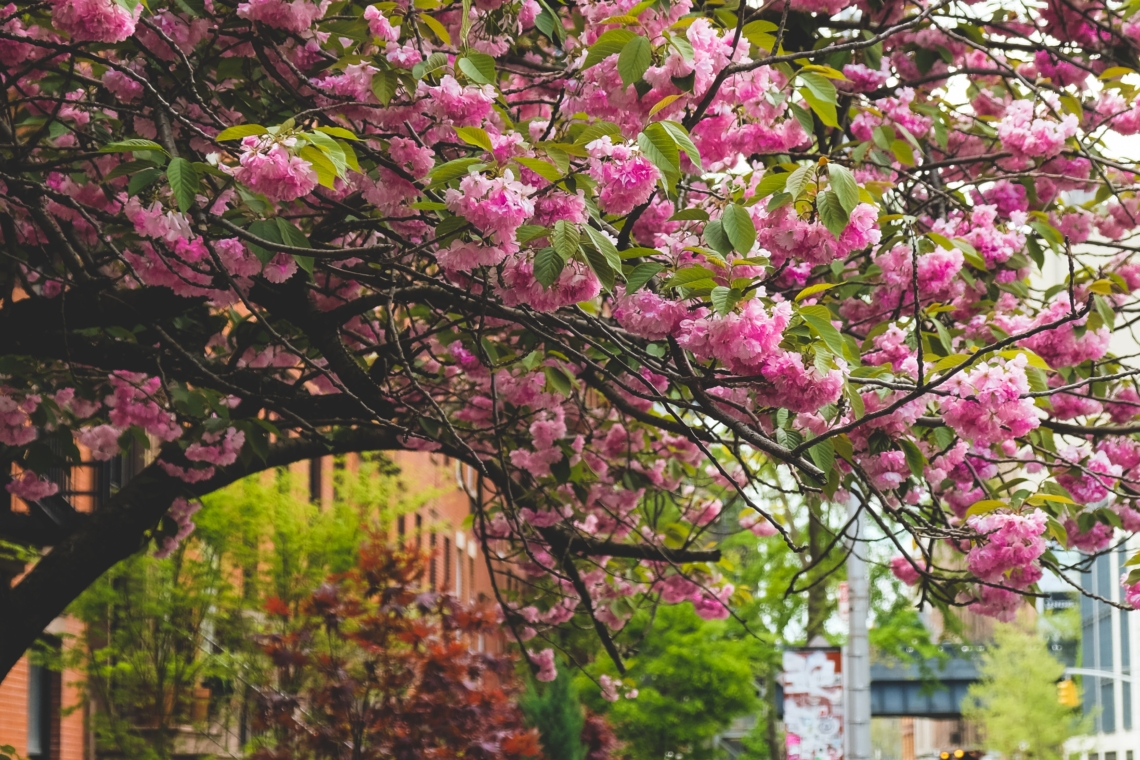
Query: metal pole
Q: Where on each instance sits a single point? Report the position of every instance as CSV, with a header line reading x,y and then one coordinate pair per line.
x,y
858,707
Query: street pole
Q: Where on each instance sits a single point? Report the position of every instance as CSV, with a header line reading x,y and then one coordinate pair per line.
x,y
858,666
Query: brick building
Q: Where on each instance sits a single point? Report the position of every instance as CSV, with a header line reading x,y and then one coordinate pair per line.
x,y
34,700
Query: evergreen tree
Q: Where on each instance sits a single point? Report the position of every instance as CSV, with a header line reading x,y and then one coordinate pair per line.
x,y
555,710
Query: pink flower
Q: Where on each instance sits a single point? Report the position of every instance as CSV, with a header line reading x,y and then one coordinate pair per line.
x,y
626,178
102,440
742,341
16,427
545,661
180,512
123,87
757,524
379,25
31,487
297,16
1028,137
216,448
1010,542
987,407
276,173
95,20
903,568
1131,592
497,206
647,314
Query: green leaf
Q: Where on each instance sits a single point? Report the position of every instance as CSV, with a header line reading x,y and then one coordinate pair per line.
x,y
797,181
689,274
240,131
818,318
452,170
340,132
479,67
183,179
739,228
267,230
659,147
597,261
544,169
606,247
716,237
434,61
566,238
384,84
844,185
325,169
759,33
548,265
610,43
634,60
131,145
437,28
142,180
915,459
129,168
558,380
820,94
831,212
811,290
903,151
724,298
641,274
984,506
476,137
823,454
690,215
681,137
772,182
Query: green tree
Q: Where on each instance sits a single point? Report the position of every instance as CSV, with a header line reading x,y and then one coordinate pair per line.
x,y
692,676
1016,698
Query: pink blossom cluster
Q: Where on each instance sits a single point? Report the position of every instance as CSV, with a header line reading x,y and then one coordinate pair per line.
x,y
987,407
132,402
16,428
625,177
1028,136
497,207
220,448
181,511
30,486
95,20
904,569
1009,548
295,16
270,169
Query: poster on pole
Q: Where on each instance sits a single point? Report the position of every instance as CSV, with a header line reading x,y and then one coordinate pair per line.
x,y
813,704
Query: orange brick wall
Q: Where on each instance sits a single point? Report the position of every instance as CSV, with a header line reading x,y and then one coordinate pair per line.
x,y
14,708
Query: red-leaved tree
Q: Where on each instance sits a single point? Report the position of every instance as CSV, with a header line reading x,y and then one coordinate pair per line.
x,y
372,666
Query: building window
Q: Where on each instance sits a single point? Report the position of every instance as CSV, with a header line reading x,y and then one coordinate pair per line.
x,y
471,579
1109,756
419,531
431,567
316,480
43,712
400,526
458,571
1094,756
446,561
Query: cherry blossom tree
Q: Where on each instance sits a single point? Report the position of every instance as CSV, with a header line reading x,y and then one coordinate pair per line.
x,y
628,262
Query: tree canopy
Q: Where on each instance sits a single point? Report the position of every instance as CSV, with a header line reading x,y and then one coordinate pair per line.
x,y
630,263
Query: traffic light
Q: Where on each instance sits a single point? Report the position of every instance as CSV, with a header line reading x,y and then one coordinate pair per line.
x,y
1067,694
